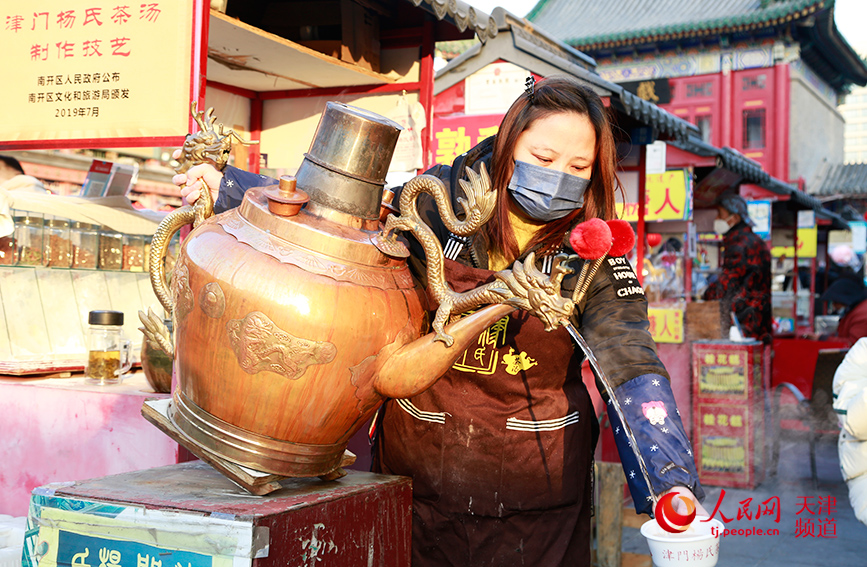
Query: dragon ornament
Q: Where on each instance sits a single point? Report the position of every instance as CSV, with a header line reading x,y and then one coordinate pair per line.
x,y
524,286
209,145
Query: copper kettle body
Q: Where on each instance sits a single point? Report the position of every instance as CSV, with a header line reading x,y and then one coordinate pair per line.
x,y
291,327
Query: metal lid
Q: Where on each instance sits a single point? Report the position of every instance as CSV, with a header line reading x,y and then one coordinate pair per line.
x,y
105,318
345,167
58,223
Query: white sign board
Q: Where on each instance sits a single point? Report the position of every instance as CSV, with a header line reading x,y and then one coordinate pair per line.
x,y
493,89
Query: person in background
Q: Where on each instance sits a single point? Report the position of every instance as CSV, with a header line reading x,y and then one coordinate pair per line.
x,y
744,283
502,458
848,295
13,178
850,403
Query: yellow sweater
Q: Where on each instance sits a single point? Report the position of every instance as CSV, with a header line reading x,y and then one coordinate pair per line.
x,y
524,231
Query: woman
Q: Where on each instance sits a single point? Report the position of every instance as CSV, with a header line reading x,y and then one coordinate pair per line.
x,y
500,448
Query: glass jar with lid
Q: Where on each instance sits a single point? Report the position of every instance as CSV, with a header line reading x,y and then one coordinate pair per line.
x,y
133,253
29,241
108,350
85,245
110,249
58,243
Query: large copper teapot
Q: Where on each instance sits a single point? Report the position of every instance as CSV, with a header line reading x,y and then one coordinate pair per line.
x,y
292,325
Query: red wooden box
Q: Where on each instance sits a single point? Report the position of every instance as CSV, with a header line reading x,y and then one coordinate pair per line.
x,y
190,514
728,412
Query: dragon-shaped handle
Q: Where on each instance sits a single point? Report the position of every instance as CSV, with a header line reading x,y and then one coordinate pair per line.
x,y
208,145
524,286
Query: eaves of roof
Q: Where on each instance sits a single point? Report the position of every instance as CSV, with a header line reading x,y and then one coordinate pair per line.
x,y
749,170
462,15
843,180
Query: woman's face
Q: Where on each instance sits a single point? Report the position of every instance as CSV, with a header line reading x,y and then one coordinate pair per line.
x,y
564,141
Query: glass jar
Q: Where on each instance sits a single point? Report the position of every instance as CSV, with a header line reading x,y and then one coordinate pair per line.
x,y
108,357
110,249
58,243
29,239
85,245
133,253
8,254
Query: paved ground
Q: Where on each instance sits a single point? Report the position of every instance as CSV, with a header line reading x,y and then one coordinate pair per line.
x,y
792,547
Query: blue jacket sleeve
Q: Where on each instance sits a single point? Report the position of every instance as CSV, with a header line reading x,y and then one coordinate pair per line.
x,y
649,408
234,184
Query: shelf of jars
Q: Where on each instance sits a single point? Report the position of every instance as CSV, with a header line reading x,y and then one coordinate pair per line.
x,y
52,242
53,272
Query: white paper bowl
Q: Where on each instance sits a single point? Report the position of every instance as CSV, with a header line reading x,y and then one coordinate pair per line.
x,y
696,547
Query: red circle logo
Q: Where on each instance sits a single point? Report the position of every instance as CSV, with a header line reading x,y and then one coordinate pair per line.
x,y
668,519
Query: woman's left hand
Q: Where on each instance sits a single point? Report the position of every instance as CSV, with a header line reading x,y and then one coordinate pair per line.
x,y
680,507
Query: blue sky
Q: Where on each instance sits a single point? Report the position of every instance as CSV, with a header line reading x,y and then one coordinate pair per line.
x,y
851,17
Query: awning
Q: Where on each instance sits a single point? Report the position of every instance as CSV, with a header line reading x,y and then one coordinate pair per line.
x,y
733,168
246,57
461,15
115,212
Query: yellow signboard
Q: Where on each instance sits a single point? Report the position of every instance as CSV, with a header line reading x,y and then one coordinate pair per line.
x,y
669,197
666,324
98,73
806,242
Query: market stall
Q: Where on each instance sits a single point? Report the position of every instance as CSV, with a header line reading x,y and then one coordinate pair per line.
x,y
267,83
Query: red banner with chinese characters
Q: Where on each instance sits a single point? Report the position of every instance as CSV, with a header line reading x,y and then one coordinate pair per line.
x,y
99,73
455,135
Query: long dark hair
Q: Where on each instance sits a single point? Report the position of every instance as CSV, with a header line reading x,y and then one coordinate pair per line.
x,y
552,95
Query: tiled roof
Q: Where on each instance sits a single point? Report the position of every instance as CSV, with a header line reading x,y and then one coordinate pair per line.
x,y
593,24
843,180
462,15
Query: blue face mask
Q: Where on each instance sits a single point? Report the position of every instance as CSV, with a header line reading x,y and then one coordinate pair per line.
x,y
546,194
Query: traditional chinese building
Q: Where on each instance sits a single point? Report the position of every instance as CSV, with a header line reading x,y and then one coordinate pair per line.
x,y
764,77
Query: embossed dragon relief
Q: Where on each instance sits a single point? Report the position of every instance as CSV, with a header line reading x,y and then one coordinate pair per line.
x,y
259,344
524,286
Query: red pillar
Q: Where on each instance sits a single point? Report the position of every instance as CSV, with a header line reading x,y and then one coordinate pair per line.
x,y
642,200
726,109
256,114
781,121
426,91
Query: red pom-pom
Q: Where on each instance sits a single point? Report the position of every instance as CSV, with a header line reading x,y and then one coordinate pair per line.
x,y
591,239
623,235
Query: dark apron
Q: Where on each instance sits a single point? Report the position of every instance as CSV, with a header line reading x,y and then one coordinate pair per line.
x,y
500,449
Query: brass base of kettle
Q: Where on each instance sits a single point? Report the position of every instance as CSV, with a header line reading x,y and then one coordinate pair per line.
x,y
158,410
249,449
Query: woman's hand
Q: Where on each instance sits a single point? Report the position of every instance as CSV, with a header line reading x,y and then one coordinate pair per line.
x,y
680,507
191,181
